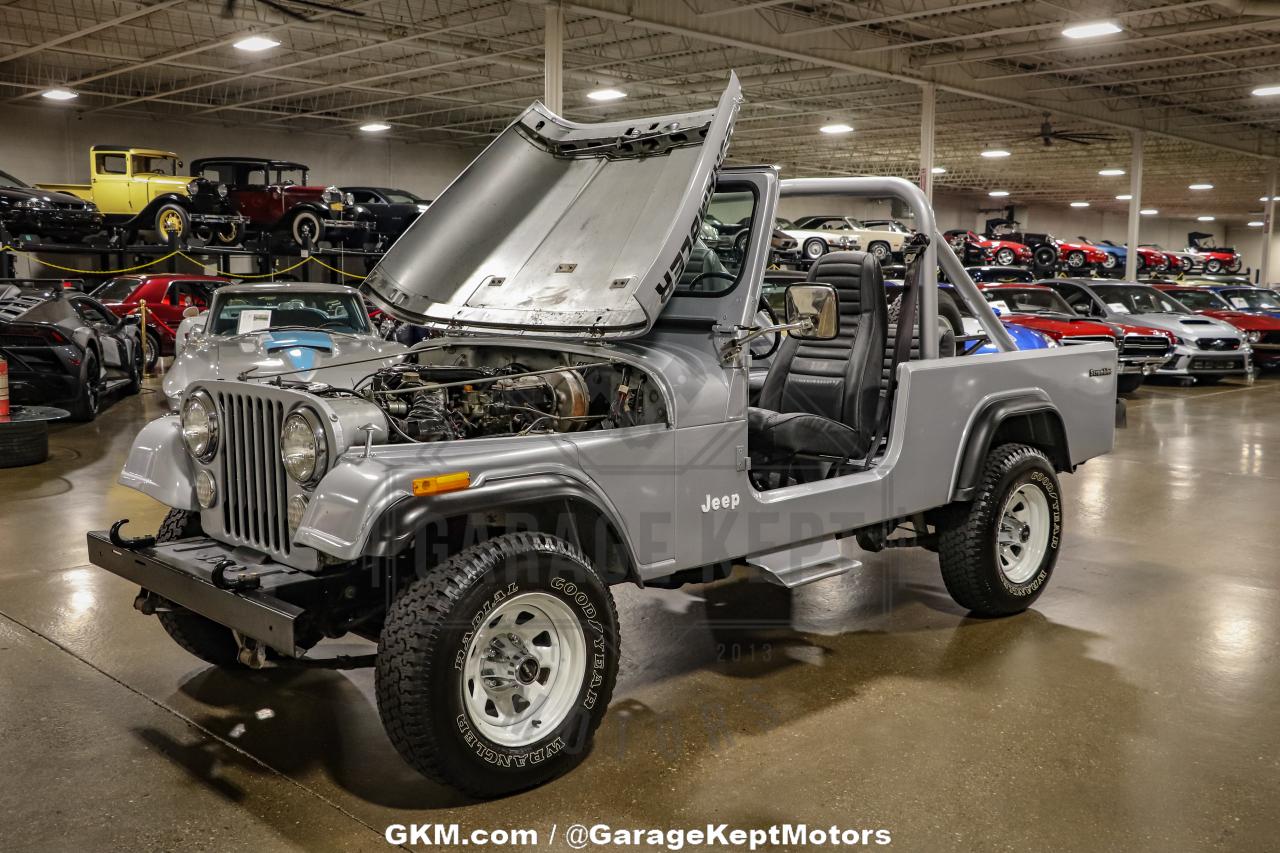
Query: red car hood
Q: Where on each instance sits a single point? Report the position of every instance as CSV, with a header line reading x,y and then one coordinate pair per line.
x,y
1132,329
1222,256
999,244
1057,327
1241,320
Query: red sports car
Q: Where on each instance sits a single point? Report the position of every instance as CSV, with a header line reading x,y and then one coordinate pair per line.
x,y
1080,256
167,295
1260,330
973,249
1213,259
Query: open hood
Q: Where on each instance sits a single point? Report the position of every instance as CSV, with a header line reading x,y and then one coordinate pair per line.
x,y
560,229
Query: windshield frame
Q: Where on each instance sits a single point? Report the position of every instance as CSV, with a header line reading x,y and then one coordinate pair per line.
x,y
359,319
994,293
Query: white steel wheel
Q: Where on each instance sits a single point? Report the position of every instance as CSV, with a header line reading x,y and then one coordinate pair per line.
x,y
814,249
1023,535
524,669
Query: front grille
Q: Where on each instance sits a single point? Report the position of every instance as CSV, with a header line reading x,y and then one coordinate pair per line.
x,y
1219,344
254,493
1088,339
1145,345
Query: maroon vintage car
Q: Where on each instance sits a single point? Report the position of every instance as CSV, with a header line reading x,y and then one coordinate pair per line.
x,y
281,204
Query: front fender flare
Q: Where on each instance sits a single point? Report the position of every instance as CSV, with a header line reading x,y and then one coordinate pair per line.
x,y
159,466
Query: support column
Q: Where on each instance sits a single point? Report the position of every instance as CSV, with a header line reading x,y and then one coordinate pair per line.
x,y
1269,230
1135,205
553,70
928,100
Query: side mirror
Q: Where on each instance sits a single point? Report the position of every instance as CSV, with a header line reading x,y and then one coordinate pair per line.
x,y
816,310
191,311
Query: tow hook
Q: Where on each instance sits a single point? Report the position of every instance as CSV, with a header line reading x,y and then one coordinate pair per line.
x,y
121,542
243,579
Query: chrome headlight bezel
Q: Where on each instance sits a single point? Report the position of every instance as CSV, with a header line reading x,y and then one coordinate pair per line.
x,y
200,451
206,489
221,190
193,187
1252,336
331,195
305,470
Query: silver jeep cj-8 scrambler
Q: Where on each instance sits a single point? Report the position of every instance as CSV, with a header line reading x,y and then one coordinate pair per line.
x,y
587,419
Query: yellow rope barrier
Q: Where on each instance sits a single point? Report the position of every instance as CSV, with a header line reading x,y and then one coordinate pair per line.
x,y
185,257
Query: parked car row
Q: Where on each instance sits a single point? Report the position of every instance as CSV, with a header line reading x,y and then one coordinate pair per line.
x,y
143,194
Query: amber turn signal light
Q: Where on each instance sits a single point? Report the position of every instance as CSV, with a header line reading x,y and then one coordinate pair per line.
x,y
442,483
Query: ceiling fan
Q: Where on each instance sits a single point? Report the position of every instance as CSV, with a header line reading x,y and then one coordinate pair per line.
x,y
285,7
1048,135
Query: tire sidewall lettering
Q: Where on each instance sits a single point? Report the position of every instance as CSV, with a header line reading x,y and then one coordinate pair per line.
x,y
1045,482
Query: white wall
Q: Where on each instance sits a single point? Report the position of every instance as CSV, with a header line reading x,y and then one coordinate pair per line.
x,y
50,145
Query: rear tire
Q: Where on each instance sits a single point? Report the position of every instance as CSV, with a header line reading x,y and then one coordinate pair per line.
x,y
881,251
204,638
1075,260
88,399
1005,257
532,716
1045,258
153,350
135,372
814,248
998,551
1213,266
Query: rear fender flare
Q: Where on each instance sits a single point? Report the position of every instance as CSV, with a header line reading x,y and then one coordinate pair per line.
x,y
1028,418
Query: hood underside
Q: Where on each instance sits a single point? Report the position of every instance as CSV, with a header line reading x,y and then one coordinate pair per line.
x,y
560,229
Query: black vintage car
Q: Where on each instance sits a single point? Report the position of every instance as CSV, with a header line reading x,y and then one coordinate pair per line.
x,y
43,214
65,348
391,210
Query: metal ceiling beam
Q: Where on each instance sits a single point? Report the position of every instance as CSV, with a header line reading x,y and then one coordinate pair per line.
x,y
90,30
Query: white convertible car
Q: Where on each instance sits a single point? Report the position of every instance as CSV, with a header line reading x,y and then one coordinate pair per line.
x,y
315,330
884,243
814,243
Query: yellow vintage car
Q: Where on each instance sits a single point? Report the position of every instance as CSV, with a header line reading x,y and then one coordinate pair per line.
x,y
143,191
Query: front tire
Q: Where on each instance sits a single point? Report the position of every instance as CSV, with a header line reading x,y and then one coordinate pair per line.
x,y
880,251
1127,383
204,638
1005,257
1045,258
998,551
1075,260
172,219
495,668
1213,266
153,350
305,229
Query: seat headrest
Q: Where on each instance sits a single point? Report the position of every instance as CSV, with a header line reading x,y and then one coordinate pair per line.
x,y
856,276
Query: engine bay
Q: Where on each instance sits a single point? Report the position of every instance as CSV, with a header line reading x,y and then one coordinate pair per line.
x,y
455,392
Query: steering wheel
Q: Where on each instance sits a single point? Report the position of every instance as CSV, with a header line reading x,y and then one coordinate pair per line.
x,y
326,324
766,309
724,275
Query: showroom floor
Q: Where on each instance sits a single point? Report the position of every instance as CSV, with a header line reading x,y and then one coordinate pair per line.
x,y
1132,709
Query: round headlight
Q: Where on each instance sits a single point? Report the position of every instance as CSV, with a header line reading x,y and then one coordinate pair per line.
x,y
193,186
1253,337
200,426
222,190
331,195
303,448
349,200
206,489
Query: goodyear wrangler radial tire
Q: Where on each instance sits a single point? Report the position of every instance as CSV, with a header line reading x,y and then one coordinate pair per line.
x,y
204,638
463,641
1016,512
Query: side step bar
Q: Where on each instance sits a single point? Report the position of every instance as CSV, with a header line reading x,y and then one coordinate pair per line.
x,y
815,561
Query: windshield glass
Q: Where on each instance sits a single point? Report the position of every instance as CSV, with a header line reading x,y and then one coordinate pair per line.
x,y
243,313
294,177
1030,300
144,165
1137,299
783,224
1199,300
1254,298
715,263
116,290
7,180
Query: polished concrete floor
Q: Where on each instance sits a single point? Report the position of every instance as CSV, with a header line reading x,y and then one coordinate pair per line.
x,y
1133,709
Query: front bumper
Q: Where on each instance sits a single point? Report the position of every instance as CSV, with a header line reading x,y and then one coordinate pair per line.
x,y
218,219
182,572
1196,362
54,223
1145,365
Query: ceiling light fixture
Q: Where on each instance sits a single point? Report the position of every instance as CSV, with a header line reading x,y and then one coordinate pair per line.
x,y
1269,198
1079,204
375,127
1148,211
1097,28
1199,186
255,44
1266,91
998,193
606,95
938,170
1124,197
995,153
1111,173
836,128
1257,223
1204,219
59,94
